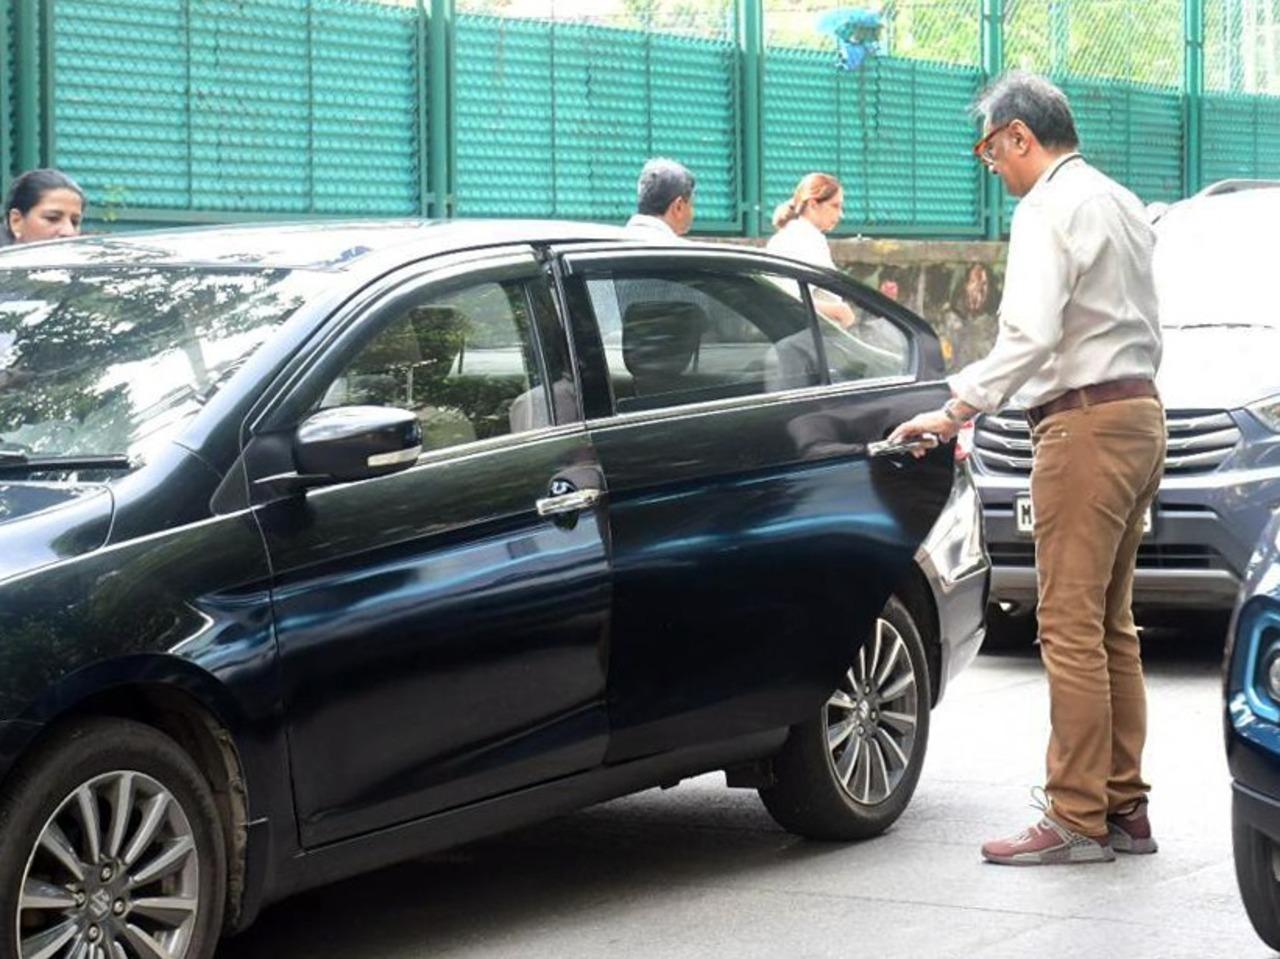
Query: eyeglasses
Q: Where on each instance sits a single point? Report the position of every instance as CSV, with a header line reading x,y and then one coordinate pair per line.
x,y
982,149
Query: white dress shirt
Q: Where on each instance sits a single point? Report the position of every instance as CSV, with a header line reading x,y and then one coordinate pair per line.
x,y
642,226
1079,304
801,240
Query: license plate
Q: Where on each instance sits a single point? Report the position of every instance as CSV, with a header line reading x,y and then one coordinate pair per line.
x,y
1026,519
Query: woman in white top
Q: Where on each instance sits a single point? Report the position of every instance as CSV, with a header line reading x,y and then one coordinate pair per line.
x,y
802,223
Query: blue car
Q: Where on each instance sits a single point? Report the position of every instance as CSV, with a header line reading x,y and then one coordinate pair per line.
x,y
1252,694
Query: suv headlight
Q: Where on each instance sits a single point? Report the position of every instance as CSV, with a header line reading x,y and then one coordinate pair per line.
x,y
1268,412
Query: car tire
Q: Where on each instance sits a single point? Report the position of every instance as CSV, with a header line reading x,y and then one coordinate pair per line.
x,y
1258,875
849,772
1009,632
123,806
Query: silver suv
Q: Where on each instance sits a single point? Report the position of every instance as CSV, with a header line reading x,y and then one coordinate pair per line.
x,y
1220,383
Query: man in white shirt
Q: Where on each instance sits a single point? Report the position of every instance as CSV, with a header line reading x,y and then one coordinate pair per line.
x,y
1079,342
664,202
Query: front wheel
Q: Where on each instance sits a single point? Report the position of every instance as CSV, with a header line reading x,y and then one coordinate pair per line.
x,y
1258,875
849,772
111,848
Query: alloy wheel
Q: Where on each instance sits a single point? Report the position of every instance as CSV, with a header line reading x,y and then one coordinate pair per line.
x,y
871,718
114,874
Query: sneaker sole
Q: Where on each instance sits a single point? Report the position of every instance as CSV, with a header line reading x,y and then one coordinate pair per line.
x,y
1057,857
1124,843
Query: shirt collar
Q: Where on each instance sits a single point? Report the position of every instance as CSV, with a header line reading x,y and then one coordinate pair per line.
x,y
1052,170
650,222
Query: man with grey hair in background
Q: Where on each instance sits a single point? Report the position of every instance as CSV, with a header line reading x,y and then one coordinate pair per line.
x,y
664,201
1079,342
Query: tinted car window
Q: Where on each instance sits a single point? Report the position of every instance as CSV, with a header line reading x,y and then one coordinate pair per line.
x,y
464,361
686,336
860,344
117,360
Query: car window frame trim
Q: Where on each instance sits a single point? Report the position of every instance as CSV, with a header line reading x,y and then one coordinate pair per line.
x,y
569,265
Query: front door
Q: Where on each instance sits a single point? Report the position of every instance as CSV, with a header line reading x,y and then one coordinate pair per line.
x,y
754,540
442,640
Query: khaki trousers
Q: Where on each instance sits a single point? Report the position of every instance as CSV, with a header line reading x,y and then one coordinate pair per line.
x,y
1095,471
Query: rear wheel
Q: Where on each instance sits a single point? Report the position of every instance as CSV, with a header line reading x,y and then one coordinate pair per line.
x,y
113,850
849,772
1258,875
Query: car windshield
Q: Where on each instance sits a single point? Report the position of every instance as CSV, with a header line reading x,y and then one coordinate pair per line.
x,y
1215,258
101,361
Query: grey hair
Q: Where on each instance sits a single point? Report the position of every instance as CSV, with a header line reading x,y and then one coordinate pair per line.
x,y
1018,95
661,182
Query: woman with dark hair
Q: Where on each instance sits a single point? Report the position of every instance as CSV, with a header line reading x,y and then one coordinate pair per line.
x,y
43,205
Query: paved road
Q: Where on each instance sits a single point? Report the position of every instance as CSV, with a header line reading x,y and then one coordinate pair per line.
x,y
701,871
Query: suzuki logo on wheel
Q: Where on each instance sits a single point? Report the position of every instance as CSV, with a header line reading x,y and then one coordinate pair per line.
x,y
100,903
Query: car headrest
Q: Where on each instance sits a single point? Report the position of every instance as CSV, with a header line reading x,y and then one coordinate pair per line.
x,y
661,337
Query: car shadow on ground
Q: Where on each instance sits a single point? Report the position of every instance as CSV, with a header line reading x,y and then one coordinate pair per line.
x,y
575,865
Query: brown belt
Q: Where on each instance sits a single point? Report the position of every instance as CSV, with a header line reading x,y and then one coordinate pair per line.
x,y
1107,392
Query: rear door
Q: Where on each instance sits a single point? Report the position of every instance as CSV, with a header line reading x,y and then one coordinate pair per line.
x,y
442,630
754,542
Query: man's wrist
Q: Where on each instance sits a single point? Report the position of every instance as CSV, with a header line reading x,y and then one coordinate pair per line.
x,y
951,413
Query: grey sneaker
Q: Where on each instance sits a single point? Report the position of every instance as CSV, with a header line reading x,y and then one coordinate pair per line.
x,y
1130,832
1047,843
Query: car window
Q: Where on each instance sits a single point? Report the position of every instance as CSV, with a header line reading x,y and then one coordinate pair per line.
x,y
464,362
859,343
683,336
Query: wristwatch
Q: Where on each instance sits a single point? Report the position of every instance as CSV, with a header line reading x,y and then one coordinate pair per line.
x,y
951,414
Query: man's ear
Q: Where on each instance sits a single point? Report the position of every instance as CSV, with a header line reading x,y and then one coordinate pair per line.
x,y
1022,137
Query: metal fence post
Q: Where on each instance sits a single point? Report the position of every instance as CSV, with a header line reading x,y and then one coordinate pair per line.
x,y
750,18
6,142
1059,37
27,83
992,38
1193,96
440,116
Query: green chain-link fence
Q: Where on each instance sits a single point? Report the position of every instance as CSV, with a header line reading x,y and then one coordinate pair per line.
x,y
189,110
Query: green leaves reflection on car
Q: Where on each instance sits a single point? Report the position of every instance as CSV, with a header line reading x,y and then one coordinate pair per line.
x,y
104,359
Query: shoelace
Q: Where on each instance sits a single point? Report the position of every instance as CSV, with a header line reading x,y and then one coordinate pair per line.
x,y
1040,800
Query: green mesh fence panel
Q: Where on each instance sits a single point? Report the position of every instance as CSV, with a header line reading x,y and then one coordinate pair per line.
x,y
556,119
897,133
280,106
1139,42
1242,46
1241,137
1133,134
121,104
945,31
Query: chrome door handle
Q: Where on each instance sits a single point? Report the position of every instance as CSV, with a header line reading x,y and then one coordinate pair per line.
x,y
573,502
925,441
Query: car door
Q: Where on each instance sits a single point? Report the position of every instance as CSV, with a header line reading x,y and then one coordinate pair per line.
x,y
442,630
754,540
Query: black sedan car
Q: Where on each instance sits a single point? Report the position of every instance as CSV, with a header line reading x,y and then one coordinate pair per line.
x,y
325,546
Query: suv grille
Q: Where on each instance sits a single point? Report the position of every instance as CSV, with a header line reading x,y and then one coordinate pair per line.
x,y
1199,442
1150,555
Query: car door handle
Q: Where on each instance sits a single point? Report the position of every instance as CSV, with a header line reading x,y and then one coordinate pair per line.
x,y
573,502
926,441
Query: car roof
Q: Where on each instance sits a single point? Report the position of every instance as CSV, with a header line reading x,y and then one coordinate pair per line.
x,y
328,245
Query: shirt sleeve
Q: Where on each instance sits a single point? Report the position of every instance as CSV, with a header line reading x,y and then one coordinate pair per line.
x,y
1039,277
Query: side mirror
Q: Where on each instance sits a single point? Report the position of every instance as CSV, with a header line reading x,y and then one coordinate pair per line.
x,y
356,442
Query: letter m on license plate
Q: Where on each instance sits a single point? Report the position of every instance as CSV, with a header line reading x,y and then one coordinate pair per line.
x,y
1025,520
